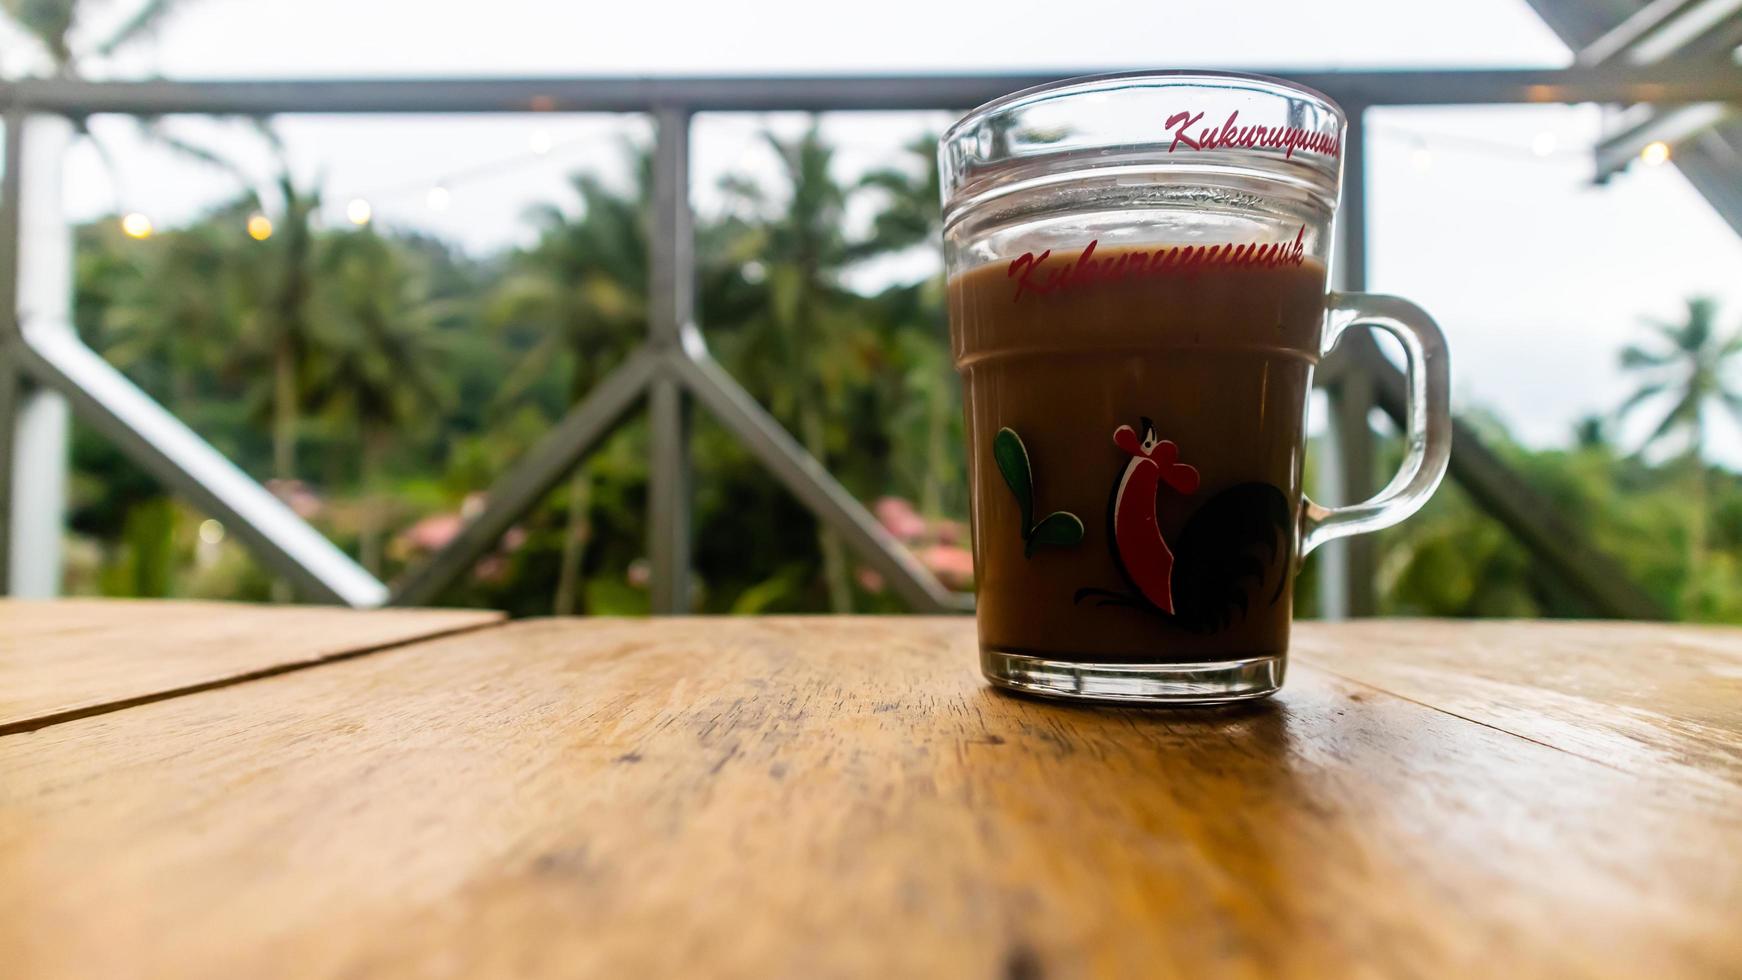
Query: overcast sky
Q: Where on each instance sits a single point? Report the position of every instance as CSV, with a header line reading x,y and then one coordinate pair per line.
x,y
1537,276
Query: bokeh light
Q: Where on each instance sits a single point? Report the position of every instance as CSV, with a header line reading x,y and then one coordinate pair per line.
x,y
136,225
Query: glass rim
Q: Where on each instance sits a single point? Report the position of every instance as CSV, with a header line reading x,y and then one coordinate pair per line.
x,y
974,172
1278,86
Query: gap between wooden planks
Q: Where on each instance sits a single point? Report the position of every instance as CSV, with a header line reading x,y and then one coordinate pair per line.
x,y
72,658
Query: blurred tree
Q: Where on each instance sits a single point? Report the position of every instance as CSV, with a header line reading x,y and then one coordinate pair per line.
x,y
1689,368
810,341
375,367
278,328
194,315
583,288
51,23
910,214
928,411
169,338
1591,432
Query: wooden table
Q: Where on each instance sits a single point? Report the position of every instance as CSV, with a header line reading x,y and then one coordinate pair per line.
x,y
844,797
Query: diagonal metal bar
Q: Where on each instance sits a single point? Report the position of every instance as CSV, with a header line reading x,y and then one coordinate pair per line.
x,y
1710,164
1645,125
170,451
806,479
541,469
1533,520
1663,29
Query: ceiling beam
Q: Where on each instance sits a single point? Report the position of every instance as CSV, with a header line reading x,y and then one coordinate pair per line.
x,y
1642,126
1664,29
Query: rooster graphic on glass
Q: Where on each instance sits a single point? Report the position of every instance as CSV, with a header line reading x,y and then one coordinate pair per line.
x,y
1200,580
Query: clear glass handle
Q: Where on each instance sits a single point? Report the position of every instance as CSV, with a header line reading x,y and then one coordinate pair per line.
x,y
1427,429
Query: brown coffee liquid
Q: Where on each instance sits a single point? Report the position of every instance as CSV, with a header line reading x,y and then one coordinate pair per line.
x,y
1216,359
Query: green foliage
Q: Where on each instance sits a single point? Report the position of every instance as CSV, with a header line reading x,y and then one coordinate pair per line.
x,y
1451,560
1689,367
396,378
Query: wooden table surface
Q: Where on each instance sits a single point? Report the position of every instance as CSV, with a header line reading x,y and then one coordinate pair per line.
x,y
844,797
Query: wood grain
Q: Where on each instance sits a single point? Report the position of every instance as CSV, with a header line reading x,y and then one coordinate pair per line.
x,y
829,798
1644,696
74,657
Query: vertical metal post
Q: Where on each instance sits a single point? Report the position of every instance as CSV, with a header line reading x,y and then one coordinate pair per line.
x,y
1348,565
11,373
38,290
669,497
11,385
671,308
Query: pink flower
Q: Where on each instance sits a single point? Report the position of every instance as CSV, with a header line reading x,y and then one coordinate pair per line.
x,y
432,533
297,495
870,581
949,532
953,565
899,518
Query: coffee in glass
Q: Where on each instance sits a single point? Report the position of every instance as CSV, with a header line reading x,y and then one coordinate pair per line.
x,y
1137,302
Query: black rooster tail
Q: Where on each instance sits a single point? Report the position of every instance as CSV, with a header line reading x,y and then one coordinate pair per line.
x,y
1287,570
1227,549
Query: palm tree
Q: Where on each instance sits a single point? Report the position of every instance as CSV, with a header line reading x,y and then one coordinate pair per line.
x,y
910,214
583,288
279,330
811,342
374,366
1591,432
167,336
1689,370
930,392
51,23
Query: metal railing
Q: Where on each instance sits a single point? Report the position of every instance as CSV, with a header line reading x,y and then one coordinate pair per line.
x,y
46,367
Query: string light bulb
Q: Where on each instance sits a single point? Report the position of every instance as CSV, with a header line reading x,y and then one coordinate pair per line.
x,y
136,225
359,212
438,198
1543,144
1655,153
259,227
539,142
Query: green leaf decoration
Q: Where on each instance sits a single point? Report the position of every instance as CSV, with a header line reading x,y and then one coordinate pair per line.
x,y
1060,529
1012,459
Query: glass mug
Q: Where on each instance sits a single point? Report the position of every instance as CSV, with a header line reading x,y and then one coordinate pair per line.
x,y
1137,270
